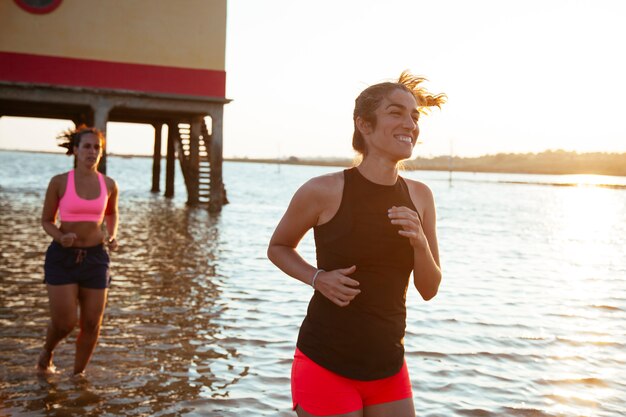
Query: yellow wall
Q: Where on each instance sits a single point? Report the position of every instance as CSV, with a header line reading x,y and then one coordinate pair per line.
x,y
177,33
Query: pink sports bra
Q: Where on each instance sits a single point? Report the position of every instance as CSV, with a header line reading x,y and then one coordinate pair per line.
x,y
72,208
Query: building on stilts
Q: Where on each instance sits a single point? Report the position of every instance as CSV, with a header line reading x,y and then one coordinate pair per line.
x,y
156,62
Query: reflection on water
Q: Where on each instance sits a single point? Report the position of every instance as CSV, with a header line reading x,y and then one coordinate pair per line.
x,y
529,320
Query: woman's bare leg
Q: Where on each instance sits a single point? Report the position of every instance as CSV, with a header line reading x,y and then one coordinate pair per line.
x,y
302,413
400,408
63,302
92,303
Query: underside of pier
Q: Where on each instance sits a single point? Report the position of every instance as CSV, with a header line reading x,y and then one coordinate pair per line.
x,y
196,144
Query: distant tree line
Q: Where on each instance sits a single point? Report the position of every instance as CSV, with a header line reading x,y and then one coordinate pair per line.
x,y
548,162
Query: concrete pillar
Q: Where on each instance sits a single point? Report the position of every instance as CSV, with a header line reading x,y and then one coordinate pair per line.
x,y
156,158
101,111
216,199
172,133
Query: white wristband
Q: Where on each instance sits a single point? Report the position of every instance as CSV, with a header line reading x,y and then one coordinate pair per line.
x,y
315,277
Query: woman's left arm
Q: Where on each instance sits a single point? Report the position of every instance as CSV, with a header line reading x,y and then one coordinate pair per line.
x,y
423,237
111,216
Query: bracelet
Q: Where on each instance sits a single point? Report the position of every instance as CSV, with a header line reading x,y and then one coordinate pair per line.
x,y
315,277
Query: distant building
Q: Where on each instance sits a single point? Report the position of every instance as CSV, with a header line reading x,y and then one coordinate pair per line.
x,y
145,61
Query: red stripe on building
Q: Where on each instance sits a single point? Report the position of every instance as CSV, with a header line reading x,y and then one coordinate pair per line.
x,y
40,69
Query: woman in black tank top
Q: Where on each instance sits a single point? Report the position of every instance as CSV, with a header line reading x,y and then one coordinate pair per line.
x,y
372,228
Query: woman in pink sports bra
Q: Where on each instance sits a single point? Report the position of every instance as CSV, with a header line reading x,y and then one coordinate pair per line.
x,y
77,263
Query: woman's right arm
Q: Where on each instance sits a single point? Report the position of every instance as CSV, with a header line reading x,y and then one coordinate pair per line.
x,y
49,214
303,213
50,207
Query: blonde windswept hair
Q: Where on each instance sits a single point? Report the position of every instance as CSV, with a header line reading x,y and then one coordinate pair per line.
x,y
424,98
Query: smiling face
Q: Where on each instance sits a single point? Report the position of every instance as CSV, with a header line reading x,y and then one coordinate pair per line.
x,y
395,130
89,150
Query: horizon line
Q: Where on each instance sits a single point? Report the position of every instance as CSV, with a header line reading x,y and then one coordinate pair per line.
x,y
338,158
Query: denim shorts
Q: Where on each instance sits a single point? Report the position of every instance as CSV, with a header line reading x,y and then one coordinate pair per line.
x,y
87,267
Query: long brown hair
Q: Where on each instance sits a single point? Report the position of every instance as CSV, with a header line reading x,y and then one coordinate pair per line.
x,y
71,137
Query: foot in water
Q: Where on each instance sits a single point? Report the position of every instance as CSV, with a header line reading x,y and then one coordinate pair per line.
x,y
79,378
44,363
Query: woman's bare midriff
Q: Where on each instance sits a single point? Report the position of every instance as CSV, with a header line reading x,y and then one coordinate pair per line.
x,y
87,233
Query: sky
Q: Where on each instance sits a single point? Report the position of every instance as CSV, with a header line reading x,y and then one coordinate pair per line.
x,y
521,76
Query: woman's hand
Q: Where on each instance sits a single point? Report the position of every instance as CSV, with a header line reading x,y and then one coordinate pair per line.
x,y
112,244
410,223
336,286
67,240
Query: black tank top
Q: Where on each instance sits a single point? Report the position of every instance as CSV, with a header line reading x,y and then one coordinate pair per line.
x,y
363,340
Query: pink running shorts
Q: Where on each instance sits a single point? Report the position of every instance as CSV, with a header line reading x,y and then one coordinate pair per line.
x,y
321,392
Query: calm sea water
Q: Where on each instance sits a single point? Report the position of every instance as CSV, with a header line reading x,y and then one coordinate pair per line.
x,y
530,319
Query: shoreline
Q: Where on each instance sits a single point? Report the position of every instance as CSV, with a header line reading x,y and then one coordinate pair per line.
x,y
414,165
545,163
